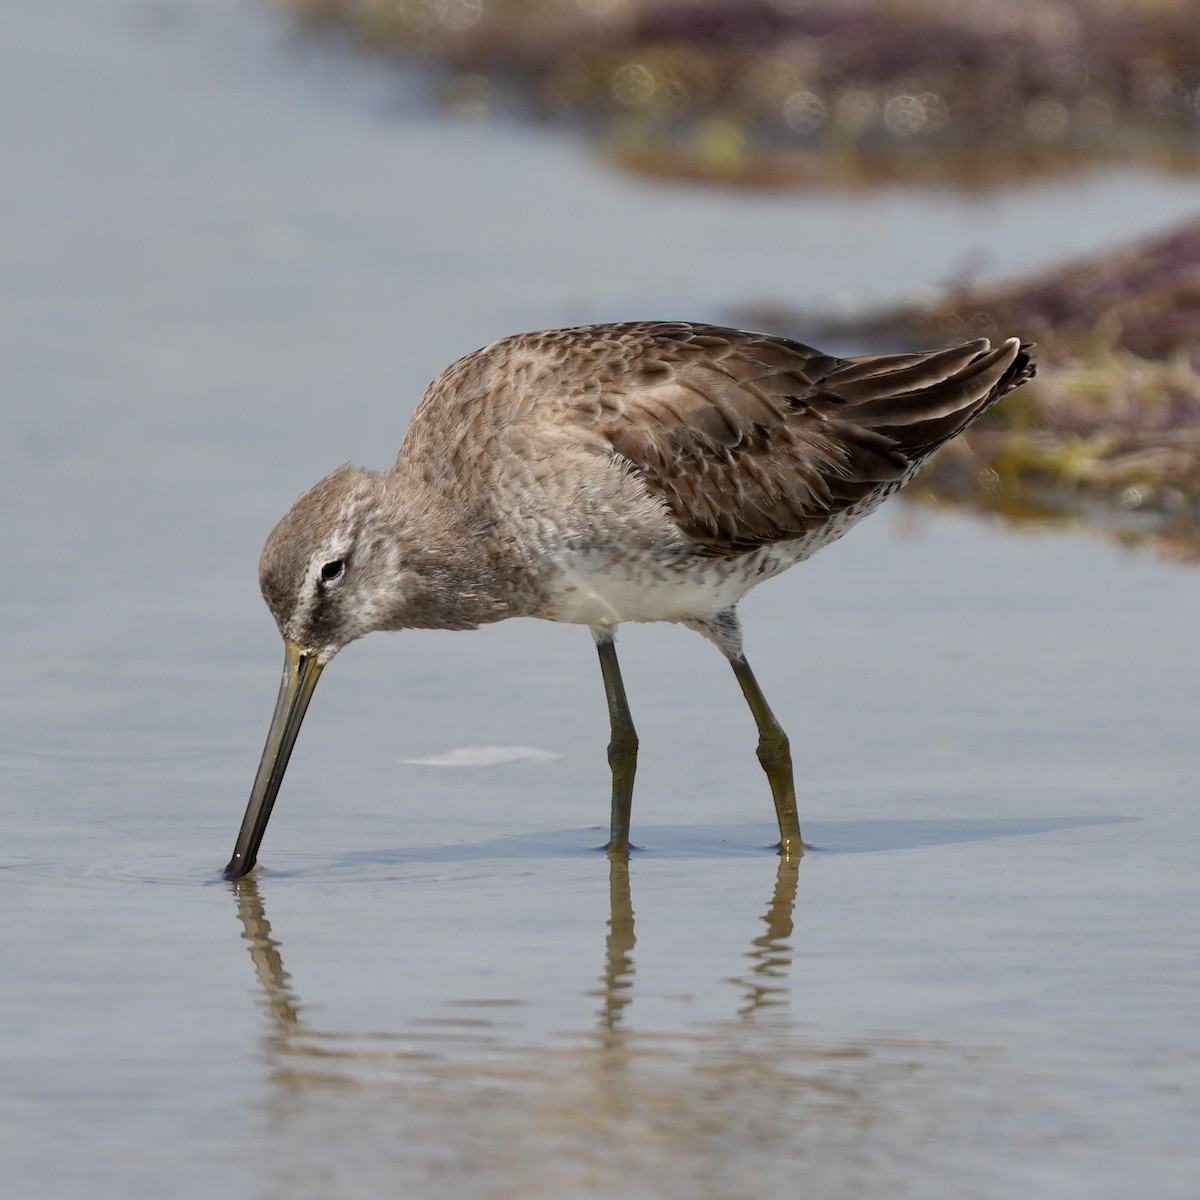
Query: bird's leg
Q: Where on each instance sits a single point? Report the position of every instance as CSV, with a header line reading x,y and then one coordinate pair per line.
x,y
622,749
775,754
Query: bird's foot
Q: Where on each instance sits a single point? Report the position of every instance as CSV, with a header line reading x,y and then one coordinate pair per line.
x,y
618,851
791,850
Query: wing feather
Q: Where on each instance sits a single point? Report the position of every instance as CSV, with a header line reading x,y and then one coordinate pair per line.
x,y
747,439
750,439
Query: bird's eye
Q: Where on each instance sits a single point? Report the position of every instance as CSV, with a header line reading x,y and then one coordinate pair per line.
x,y
333,570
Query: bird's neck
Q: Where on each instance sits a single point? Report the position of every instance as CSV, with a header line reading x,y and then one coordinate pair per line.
x,y
452,575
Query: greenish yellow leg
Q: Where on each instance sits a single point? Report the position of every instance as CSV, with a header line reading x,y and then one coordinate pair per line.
x,y
622,751
775,754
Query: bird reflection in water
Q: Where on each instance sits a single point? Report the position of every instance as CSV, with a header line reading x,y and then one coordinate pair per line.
x,y
290,1036
469,1108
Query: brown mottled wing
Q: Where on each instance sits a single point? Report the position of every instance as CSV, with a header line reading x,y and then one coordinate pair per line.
x,y
751,439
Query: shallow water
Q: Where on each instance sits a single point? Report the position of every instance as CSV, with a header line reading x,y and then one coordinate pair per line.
x,y
232,261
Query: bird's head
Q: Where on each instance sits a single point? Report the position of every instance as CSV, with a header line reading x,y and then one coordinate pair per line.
x,y
326,573
328,570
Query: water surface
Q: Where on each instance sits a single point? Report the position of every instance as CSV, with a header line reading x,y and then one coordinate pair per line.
x,y
233,261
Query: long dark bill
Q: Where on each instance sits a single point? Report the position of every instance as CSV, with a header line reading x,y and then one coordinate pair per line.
x,y
301,670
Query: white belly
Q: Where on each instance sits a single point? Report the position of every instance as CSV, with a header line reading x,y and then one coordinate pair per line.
x,y
596,590
630,563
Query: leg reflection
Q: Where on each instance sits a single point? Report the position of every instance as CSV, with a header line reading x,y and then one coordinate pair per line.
x,y
765,984
771,953
617,980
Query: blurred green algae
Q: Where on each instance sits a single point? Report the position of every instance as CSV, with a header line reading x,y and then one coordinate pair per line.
x,y
1110,428
964,92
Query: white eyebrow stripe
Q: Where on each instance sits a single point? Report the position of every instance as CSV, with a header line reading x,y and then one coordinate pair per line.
x,y
338,546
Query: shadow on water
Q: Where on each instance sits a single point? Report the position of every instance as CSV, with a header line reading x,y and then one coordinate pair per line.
x,y
716,841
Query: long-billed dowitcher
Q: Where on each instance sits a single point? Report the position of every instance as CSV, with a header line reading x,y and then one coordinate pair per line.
x,y
632,472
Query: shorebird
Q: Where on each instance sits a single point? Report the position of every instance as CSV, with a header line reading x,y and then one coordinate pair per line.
x,y
651,471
